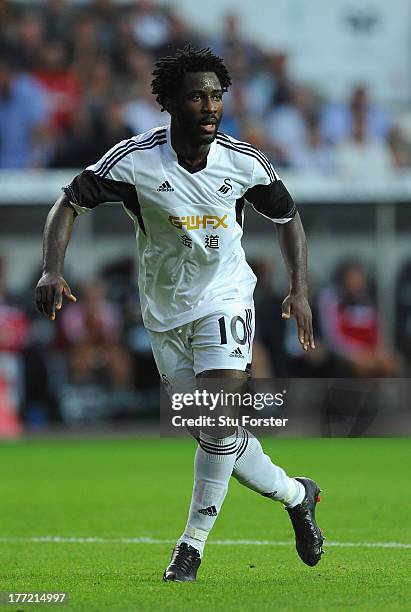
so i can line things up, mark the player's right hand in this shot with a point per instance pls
(49, 294)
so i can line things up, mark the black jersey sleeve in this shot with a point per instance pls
(88, 190)
(111, 179)
(272, 201)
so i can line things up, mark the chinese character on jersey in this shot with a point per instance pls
(186, 241)
(212, 242)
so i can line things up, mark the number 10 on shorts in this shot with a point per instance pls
(240, 328)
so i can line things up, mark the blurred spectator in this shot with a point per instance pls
(270, 328)
(400, 148)
(233, 113)
(338, 118)
(23, 119)
(253, 132)
(84, 45)
(120, 276)
(14, 338)
(113, 128)
(14, 325)
(319, 363)
(101, 85)
(28, 45)
(9, 20)
(232, 45)
(90, 137)
(151, 27)
(287, 123)
(60, 83)
(78, 146)
(403, 312)
(124, 44)
(139, 67)
(91, 332)
(316, 156)
(143, 113)
(361, 155)
(242, 59)
(179, 34)
(105, 13)
(283, 86)
(57, 19)
(351, 325)
(270, 84)
(279, 352)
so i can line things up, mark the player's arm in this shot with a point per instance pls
(294, 249)
(57, 233)
(273, 200)
(110, 180)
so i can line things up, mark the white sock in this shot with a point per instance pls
(256, 471)
(213, 466)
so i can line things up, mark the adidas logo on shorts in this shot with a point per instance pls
(237, 353)
(210, 511)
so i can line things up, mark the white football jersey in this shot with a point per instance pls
(188, 222)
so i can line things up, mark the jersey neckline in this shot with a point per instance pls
(206, 163)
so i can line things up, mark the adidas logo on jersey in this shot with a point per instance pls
(210, 511)
(237, 353)
(165, 187)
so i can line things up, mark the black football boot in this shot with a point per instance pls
(185, 561)
(308, 536)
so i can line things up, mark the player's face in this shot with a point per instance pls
(199, 107)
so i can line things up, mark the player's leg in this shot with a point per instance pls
(213, 467)
(225, 341)
(253, 468)
(173, 356)
(221, 345)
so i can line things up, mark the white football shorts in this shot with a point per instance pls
(219, 341)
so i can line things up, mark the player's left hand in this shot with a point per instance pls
(296, 305)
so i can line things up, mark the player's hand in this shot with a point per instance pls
(49, 294)
(296, 305)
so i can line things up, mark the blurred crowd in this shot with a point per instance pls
(75, 80)
(349, 335)
(95, 361)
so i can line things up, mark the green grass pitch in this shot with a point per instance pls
(131, 488)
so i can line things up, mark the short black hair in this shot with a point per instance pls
(170, 71)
